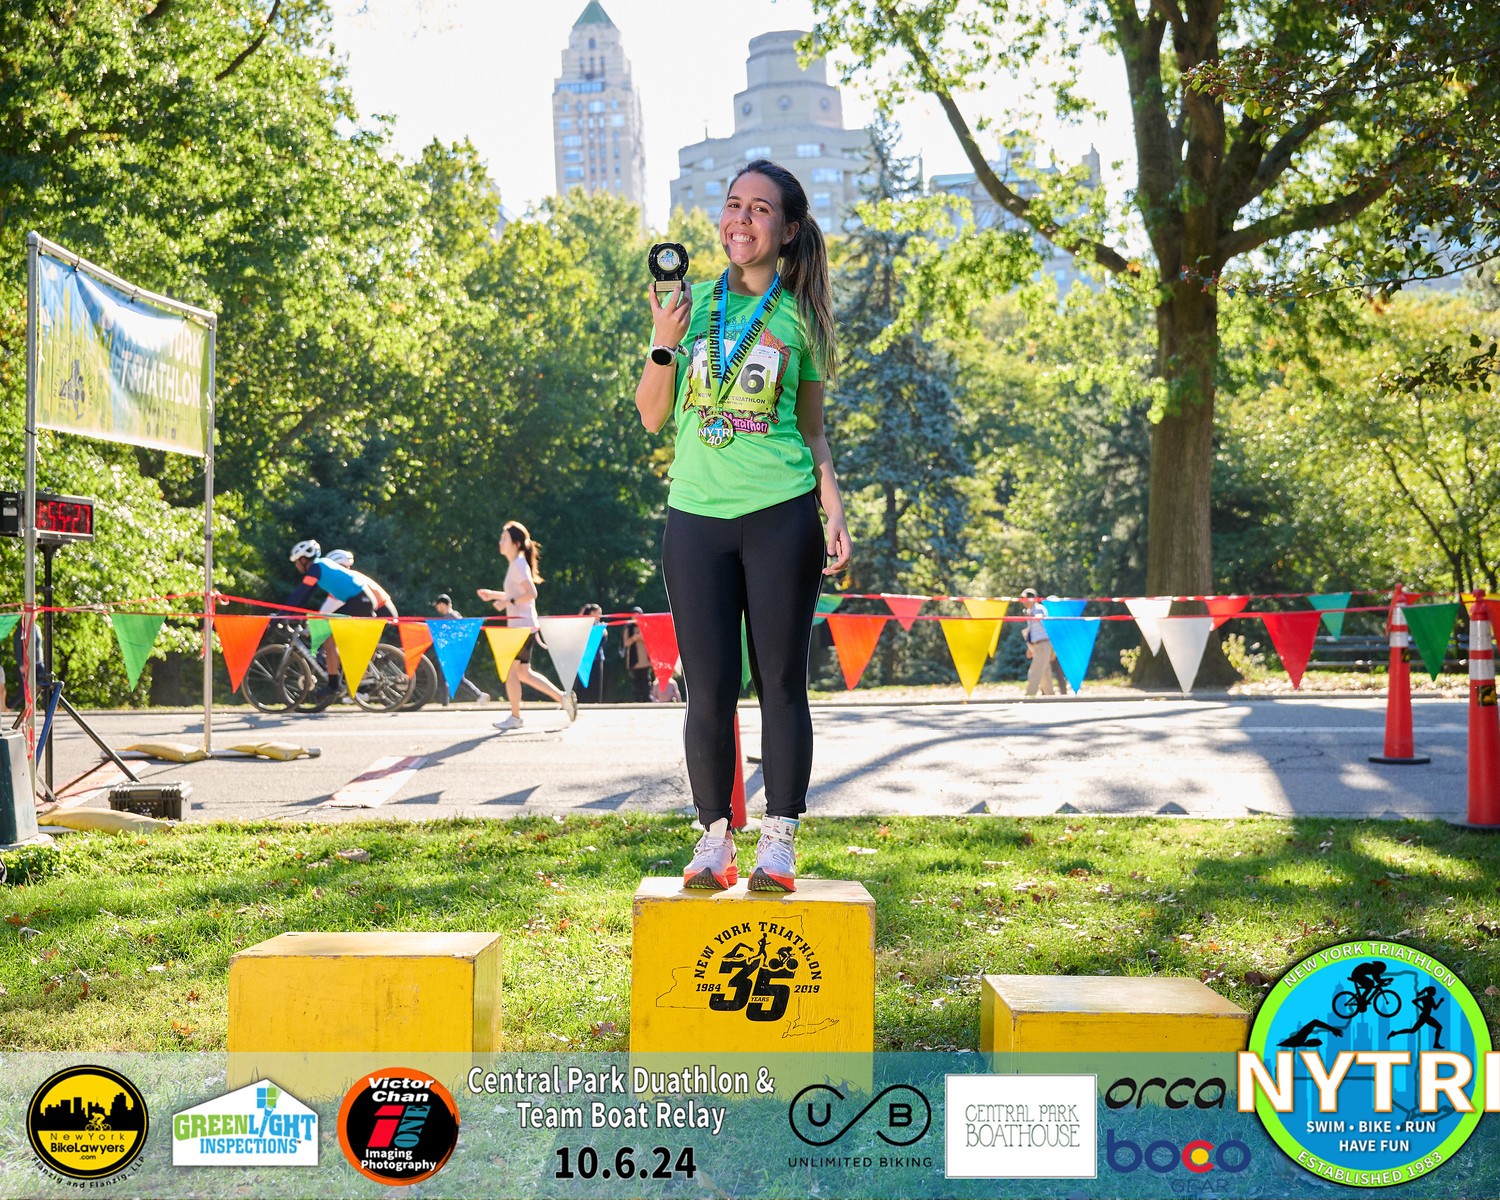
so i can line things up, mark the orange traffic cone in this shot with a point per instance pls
(737, 817)
(1484, 722)
(1398, 740)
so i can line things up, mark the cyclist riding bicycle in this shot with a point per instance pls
(1368, 978)
(319, 574)
(384, 605)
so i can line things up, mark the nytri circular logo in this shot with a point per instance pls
(1367, 1063)
(87, 1122)
(398, 1126)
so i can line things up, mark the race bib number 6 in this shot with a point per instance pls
(757, 387)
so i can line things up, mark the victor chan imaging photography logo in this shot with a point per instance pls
(258, 1125)
(820, 1114)
(87, 1123)
(1022, 1127)
(398, 1126)
(1369, 1063)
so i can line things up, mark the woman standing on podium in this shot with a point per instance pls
(741, 368)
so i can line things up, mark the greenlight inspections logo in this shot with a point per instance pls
(1368, 1064)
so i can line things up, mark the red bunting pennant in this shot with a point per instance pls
(854, 637)
(661, 643)
(1221, 608)
(1292, 634)
(904, 608)
(239, 638)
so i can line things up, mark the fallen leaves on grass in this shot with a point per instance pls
(602, 1028)
(860, 850)
(1257, 979)
(354, 854)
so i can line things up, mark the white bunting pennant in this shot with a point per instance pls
(1147, 611)
(566, 639)
(1185, 639)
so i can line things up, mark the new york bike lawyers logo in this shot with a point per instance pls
(88, 1123)
(398, 1126)
(258, 1125)
(1367, 1064)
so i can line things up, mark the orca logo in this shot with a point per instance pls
(903, 1112)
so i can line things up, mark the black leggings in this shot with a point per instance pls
(768, 568)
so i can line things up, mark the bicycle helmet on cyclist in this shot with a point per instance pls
(342, 558)
(307, 549)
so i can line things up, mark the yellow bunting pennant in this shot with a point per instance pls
(356, 638)
(506, 643)
(979, 608)
(969, 643)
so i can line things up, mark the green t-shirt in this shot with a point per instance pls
(766, 462)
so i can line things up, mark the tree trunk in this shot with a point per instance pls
(1179, 544)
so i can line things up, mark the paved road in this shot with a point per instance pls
(1223, 758)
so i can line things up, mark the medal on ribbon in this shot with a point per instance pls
(715, 429)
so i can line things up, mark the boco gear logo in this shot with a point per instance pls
(398, 1126)
(1369, 1064)
(87, 1123)
(900, 1113)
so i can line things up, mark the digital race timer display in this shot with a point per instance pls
(58, 518)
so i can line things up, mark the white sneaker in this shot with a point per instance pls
(482, 698)
(509, 723)
(713, 866)
(775, 857)
(570, 706)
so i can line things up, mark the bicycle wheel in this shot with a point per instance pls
(385, 686)
(1345, 1004)
(424, 685)
(1387, 1003)
(300, 684)
(262, 684)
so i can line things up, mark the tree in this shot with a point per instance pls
(1298, 133)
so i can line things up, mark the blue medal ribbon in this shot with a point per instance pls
(721, 378)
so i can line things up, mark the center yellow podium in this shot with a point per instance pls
(753, 971)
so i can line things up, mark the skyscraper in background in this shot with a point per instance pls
(596, 113)
(789, 113)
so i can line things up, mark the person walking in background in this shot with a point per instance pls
(443, 610)
(1038, 645)
(517, 599)
(593, 691)
(637, 660)
(743, 539)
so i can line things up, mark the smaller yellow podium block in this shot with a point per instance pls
(1087, 1014)
(742, 971)
(331, 999)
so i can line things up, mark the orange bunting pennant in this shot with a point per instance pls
(415, 638)
(239, 639)
(1221, 608)
(661, 644)
(969, 643)
(1292, 634)
(904, 608)
(854, 637)
(505, 643)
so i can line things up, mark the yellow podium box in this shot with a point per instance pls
(1106, 1014)
(742, 971)
(316, 1006)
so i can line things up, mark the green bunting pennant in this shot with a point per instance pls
(136, 633)
(826, 604)
(745, 677)
(1431, 629)
(1332, 621)
(318, 631)
(8, 621)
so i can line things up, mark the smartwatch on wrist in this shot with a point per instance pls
(663, 355)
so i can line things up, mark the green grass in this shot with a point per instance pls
(133, 934)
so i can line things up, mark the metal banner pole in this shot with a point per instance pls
(208, 549)
(28, 501)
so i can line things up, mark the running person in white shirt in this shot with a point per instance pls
(518, 601)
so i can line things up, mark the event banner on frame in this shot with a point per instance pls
(116, 367)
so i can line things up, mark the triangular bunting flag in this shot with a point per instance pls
(1184, 640)
(414, 642)
(1073, 643)
(1148, 611)
(317, 632)
(903, 607)
(969, 643)
(1057, 606)
(356, 638)
(453, 641)
(590, 654)
(239, 638)
(505, 643)
(1292, 634)
(136, 633)
(826, 604)
(854, 638)
(8, 621)
(1431, 629)
(981, 608)
(1337, 602)
(1221, 608)
(565, 639)
(746, 678)
(661, 644)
